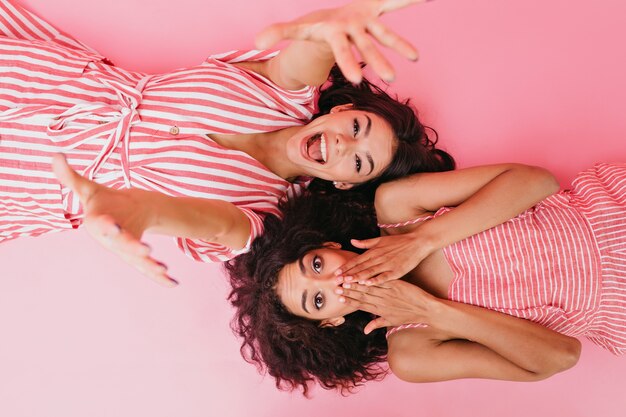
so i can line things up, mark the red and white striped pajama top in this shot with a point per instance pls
(129, 129)
(561, 264)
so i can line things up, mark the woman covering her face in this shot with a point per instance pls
(230, 137)
(483, 296)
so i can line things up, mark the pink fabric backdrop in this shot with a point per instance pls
(535, 81)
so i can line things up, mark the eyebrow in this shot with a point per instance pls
(304, 294)
(367, 154)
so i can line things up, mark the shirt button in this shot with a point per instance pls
(174, 130)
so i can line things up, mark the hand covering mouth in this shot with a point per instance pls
(316, 148)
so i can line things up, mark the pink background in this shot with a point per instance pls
(535, 81)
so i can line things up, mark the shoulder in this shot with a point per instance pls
(408, 351)
(391, 202)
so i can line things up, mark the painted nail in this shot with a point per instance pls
(346, 285)
(342, 299)
(338, 290)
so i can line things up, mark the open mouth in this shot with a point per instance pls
(316, 148)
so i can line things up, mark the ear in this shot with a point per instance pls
(342, 185)
(341, 107)
(334, 322)
(332, 245)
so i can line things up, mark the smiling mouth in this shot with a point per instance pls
(316, 148)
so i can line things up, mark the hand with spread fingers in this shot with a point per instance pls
(387, 258)
(116, 219)
(395, 302)
(353, 25)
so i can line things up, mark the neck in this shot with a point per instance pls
(270, 149)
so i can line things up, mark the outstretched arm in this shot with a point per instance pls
(118, 218)
(324, 37)
(484, 197)
(460, 340)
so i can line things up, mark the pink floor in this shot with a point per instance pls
(534, 81)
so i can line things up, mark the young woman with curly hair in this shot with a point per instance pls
(222, 142)
(556, 270)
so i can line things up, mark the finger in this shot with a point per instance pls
(359, 304)
(70, 178)
(391, 40)
(371, 55)
(155, 270)
(391, 5)
(357, 265)
(277, 32)
(382, 278)
(104, 229)
(344, 56)
(273, 34)
(377, 323)
(368, 273)
(365, 243)
(360, 293)
(130, 249)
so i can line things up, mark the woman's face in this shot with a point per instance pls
(307, 286)
(346, 146)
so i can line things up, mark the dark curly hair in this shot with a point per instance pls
(414, 150)
(294, 350)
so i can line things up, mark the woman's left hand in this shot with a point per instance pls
(387, 258)
(355, 24)
(396, 303)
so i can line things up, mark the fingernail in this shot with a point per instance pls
(338, 272)
(338, 290)
(342, 300)
(338, 280)
(362, 282)
(348, 278)
(346, 285)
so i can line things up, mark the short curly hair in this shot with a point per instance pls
(297, 351)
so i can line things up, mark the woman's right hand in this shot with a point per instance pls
(387, 258)
(353, 25)
(395, 302)
(116, 219)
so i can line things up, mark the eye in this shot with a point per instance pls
(356, 128)
(357, 163)
(316, 264)
(318, 301)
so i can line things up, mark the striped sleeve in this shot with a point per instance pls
(18, 23)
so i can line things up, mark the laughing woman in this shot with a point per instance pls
(229, 138)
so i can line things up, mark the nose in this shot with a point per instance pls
(342, 143)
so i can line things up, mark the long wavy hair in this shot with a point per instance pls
(297, 351)
(415, 149)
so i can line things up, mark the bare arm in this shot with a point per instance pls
(118, 218)
(461, 340)
(324, 37)
(484, 197)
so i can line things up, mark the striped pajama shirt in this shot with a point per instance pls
(129, 129)
(561, 264)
